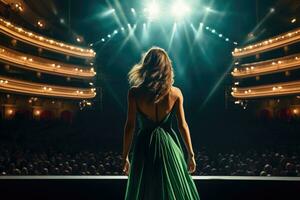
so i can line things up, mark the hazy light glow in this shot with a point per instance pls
(152, 10)
(208, 9)
(180, 9)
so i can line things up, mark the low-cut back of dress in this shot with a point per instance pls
(158, 168)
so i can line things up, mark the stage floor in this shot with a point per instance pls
(113, 187)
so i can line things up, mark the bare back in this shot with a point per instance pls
(163, 108)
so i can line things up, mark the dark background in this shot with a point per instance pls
(202, 66)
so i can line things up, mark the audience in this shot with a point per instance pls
(17, 160)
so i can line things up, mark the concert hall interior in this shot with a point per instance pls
(64, 85)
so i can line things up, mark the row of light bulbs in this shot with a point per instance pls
(25, 33)
(50, 89)
(122, 29)
(3, 81)
(248, 91)
(54, 65)
(266, 43)
(287, 60)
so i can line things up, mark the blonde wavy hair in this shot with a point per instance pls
(154, 73)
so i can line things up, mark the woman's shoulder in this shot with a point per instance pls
(133, 91)
(176, 92)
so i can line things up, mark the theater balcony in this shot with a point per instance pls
(278, 89)
(43, 65)
(268, 44)
(267, 67)
(29, 88)
(37, 40)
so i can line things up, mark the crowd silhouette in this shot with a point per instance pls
(17, 160)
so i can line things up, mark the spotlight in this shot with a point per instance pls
(62, 20)
(109, 36)
(235, 43)
(293, 20)
(227, 39)
(220, 35)
(208, 9)
(152, 10)
(272, 10)
(115, 31)
(132, 10)
(207, 28)
(78, 39)
(213, 31)
(122, 28)
(180, 9)
(41, 24)
(103, 40)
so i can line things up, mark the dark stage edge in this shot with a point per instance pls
(113, 187)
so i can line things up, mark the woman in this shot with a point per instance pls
(157, 169)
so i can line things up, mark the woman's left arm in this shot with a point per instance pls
(128, 129)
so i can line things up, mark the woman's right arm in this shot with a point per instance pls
(182, 124)
(184, 130)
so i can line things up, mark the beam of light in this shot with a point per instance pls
(145, 33)
(188, 39)
(172, 36)
(108, 13)
(129, 36)
(198, 32)
(122, 19)
(215, 87)
(194, 29)
(152, 10)
(208, 9)
(133, 11)
(258, 26)
(180, 10)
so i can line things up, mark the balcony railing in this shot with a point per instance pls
(25, 61)
(44, 42)
(24, 87)
(269, 44)
(267, 67)
(278, 89)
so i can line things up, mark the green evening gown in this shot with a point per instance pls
(158, 168)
